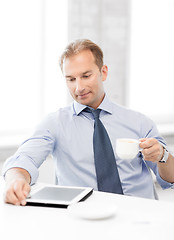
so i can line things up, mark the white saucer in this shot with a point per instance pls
(93, 211)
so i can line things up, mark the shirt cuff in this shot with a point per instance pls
(22, 162)
(164, 184)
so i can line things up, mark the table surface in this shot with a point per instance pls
(135, 218)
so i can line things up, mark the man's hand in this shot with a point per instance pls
(17, 186)
(152, 150)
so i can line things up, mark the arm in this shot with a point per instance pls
(21, 169)
(166, 170)
(17, 186)
(153, 151)
(34, 151)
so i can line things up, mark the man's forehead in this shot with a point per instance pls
(80, 63)
(85, 54)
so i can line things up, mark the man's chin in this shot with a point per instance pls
(83, 102)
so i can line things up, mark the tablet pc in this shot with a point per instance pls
(58, 196)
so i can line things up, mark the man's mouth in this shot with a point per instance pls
(84, 95)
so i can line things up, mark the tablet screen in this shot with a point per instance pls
(58, 195)
(61, 194)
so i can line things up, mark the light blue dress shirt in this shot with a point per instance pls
(68, 135)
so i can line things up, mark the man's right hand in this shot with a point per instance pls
(17, 186)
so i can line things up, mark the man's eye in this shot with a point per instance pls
(70, 79)
(86, 76)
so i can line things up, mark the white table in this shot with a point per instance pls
(136, 218)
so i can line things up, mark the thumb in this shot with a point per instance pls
(26, 189)
(142, 139)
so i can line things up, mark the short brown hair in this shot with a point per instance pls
(80, 45)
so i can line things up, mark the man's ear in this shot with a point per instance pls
(104, 72)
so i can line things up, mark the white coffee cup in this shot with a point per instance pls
(127, 148)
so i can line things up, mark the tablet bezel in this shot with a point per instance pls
(84, 194)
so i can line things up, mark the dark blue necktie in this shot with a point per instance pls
(108, 179)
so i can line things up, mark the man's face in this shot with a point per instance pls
(84, 80)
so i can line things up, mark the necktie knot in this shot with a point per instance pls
(96, 113)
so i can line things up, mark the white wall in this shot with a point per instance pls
(105, 22)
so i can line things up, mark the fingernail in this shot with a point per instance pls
(23, 202)
(17, 204)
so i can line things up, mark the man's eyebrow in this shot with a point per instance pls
(87, 72)
(69, 76)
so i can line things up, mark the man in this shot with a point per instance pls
(68, 136)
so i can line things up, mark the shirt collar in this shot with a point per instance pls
(105, 106)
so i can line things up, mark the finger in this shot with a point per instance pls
(149, 142)
(150, 158)
(148, 151)
(142, 139)
(153, 154)
(10, 197)
(26, 190)
(143, 143)
(18, 191)
(21, 194)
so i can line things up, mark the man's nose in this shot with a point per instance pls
(79, 86)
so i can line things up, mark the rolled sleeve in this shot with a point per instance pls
(164, 184)
(22, 162)
(35, 150)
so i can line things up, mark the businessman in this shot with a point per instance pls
(72, 133)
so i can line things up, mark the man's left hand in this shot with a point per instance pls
(152, 150)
